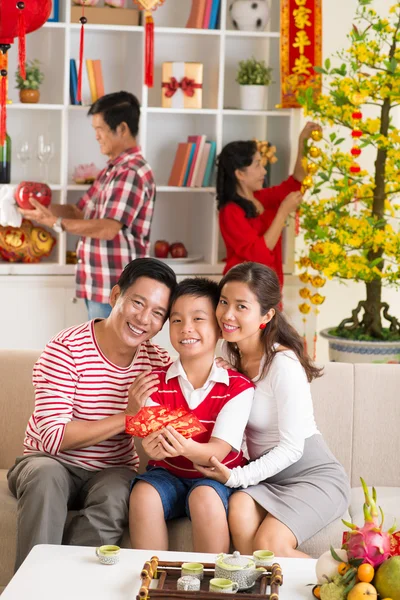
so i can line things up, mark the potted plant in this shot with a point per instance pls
(253, 77)
(350, 226)
(29, 87)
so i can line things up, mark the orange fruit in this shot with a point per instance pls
(366, 572)
(317, 591)
(343, 568)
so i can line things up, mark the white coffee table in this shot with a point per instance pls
(74, 573)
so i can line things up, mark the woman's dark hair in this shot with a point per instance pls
(151, 268)
(264, 284)
(198, 287)
(236, 155)
(117, 108)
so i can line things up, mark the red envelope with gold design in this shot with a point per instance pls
(153, 418)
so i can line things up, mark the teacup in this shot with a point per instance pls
(108, 555)
(194, 569)
(263, 558)
(188, 583)
(224, 586)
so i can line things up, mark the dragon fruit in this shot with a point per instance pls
(369, 542)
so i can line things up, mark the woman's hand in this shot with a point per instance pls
(140, 390)
(308, 128)
(292, 202)
(221, 362)
(218, 471)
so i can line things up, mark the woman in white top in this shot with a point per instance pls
(293, 486)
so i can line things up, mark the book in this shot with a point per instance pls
(214, 14)
(207, 14)
(203, 164)
(92, 81)
(210, 164)
(86, 96)
(179, 167)
(73, 82)
(196, 16)
(199, 141)
(98, 77)
(191, 156)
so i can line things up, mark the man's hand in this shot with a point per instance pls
(40, 214)
(218, 471)
(141, 389)
(305, 134)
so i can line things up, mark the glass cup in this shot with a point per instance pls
(24, 154)
(45, 153)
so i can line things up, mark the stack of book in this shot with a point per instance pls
(92, 82)
(204, 14)
(194, 163)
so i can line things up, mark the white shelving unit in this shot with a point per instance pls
(185, 214)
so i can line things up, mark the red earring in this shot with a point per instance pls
(263, 325)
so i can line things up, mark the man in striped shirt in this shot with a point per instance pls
(113, 218)
(76, 453)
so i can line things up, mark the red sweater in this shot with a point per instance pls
(243, 237)
(170, 394)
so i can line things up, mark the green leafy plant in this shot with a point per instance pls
(253, 72)
(34, 76)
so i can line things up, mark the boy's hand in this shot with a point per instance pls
(141, 389)
(151, 445)
(218, 471)
(173, 443)
(221, 362)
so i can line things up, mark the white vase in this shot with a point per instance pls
(252, 97)
(353, 351)
(249, 15)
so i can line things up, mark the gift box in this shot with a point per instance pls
(106, 15)
(182, 84)
(153, 418)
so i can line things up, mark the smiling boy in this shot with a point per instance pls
(221, 399)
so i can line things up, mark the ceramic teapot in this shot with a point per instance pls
(240, 569)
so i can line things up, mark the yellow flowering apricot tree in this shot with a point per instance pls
(350, 222)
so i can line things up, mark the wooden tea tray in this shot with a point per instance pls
(167, 573)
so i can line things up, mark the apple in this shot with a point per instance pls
(178, 250)
(39, 191)
(161, 248)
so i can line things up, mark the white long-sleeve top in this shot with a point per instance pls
(281, 418)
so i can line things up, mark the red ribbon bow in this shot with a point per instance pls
(188, 86)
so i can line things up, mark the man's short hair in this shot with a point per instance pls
(117, 108)
(198, 287)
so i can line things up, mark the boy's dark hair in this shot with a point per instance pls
(198, 287)
(117, 108)
(147, 267)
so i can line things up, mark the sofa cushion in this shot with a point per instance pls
(8, 530)
(333, 407)
(17, 400)
(388, 499)
(376, 436)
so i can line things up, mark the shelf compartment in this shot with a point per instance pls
(233, 33)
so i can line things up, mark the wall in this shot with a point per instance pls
(342, 298)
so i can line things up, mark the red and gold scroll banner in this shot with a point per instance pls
(301, 41)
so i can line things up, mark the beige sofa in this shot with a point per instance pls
(357, 409)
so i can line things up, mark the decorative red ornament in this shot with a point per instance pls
(16, 20)
(355, 151)
(148, 6)
(83, 21)
(356, 133)
(355, 168)
(188, 86)
(263, 325)
(357, 116)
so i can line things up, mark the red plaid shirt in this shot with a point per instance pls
(123, 191)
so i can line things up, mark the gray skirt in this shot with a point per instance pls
(309, 494)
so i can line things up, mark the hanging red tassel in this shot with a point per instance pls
(21, 39)
(3, 101)
(83, 21)
(297, 223)
(149, 51)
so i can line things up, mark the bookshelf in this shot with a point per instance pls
(185, 214)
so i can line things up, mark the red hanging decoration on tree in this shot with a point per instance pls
(356, 133)
(17, 19)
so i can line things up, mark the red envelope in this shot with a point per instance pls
(153, 418)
